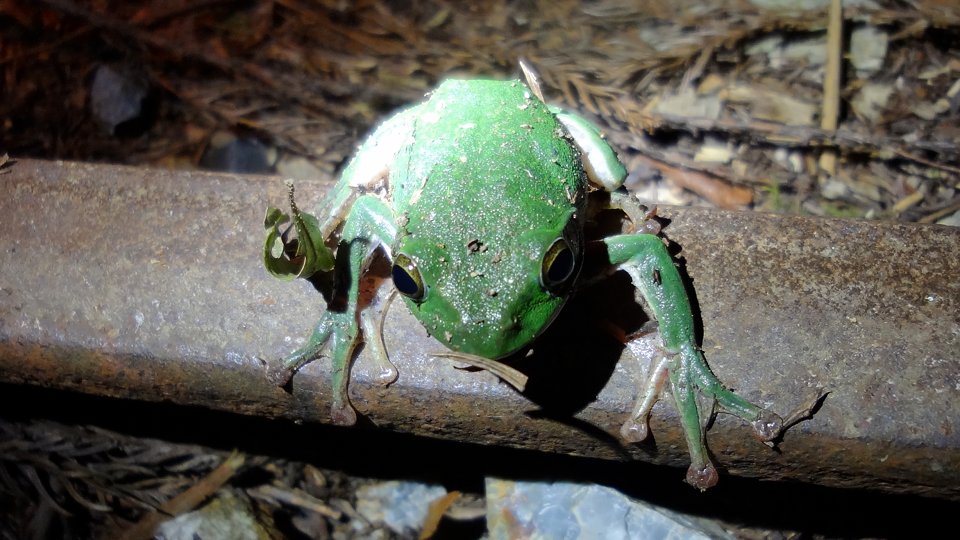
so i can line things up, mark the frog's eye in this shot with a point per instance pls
(407, 279)
(558, 265)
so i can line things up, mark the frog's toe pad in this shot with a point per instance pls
(702, 478)
(768, 426)
(388, 375)
(635, 431)
(343, 415)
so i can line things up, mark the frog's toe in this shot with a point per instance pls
(703, 477)
(635, 431)
(637, 427)
(388, 374)
(768, 425)
(343, 415)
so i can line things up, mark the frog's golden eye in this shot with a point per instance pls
(407, 279)
(558, 266)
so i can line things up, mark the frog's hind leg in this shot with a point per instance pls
(599, 160)
(366, 228)
(651, 268)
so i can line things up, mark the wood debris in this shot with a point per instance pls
(313, 78)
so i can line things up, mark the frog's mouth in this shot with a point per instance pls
(491, 363)
(493, 336)
(529, 330)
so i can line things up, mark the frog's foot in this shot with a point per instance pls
(767, 424)
(683, 374)
(696, 390)
(342, 331)
(691, 379)
(697, 394)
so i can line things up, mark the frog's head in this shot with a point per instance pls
(494, 294)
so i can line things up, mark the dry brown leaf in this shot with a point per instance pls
(435, 513)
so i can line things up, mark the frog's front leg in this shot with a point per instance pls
(653, 272)
(368, 225)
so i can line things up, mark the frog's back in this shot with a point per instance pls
(487, 182)
(485, 153)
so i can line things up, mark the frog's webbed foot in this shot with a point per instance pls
(698, 381)
(342, 331)
(695, 405)
(766, 424)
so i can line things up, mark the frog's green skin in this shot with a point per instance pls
(483, 189)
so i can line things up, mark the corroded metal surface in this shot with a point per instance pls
(147, 284)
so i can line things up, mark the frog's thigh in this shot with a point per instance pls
(600, 162)
(371, 222)
(652, 271)
(369, 225)
(376, 156)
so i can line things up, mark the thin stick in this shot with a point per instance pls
(831, 84)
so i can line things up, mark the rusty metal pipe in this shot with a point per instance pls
(147, 284)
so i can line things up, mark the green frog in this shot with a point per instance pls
(479, 196)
